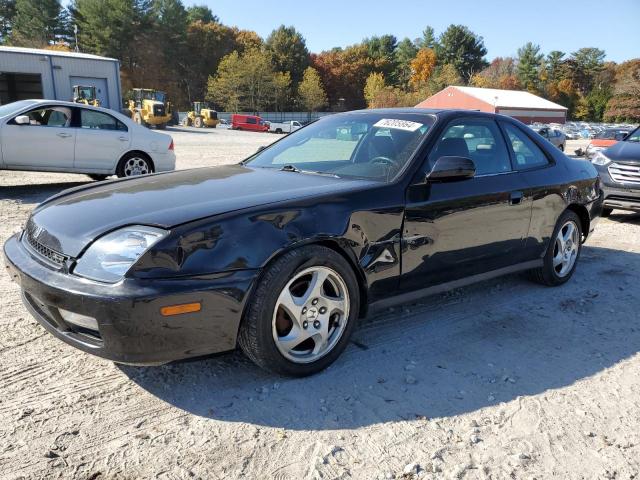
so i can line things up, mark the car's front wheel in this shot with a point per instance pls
(563, 252)
(302, 312)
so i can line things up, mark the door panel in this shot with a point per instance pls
(101, 141)
(457, 229)
(464, 227)
(47, 143)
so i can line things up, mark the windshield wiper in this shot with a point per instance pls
(293, 168)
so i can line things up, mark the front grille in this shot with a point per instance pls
(622, 173)
(45, 252)
(158, 110)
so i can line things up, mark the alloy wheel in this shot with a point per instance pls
(310, 314)
(566, 248)
(135, 166)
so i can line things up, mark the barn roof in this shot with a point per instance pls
(510, 98)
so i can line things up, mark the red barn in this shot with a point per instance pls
(524, 106)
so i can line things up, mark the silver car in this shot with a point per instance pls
(555, 136)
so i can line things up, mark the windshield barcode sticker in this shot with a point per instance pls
(398, 124)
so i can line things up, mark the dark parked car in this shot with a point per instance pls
(283, 253)
(619, 169)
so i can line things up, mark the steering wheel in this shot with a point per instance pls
(384, 161)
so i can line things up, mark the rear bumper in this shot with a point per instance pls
(164, 162)
(130, 326)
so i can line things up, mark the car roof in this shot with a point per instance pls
(442, 112)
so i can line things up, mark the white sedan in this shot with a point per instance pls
(54, 136)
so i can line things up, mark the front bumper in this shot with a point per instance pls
(130, 326)
(622, 196)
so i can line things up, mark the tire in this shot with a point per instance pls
(606, 212)
(561, 147)
(549, 274)
(134, 164)
(97, 178)
(278, 130)
(267, 324)
(185, 121)
(161, 126)
(198, 122)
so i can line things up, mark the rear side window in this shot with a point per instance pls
(525, 152)
(100, 121)
(477, 139)
(251, 120)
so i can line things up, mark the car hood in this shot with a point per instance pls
(628, 152)
(69, 221)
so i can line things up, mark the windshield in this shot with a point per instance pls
(634, 136)
(9, 108)
(360, 145)
(153, 95)
(608, 134)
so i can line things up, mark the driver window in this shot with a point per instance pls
(50, 117)
(476, 139)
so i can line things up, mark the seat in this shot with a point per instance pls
(382, 146)
(452, 147)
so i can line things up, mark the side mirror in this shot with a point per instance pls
(22, 120)
(451, 168)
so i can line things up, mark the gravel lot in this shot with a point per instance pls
(505, 379)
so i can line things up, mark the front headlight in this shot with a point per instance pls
(600, 159)
(110, 257)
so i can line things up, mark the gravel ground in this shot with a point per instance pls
(505, 379)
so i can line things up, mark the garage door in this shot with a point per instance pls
(101, 88)
(19, 86)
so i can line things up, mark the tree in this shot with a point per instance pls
(344, 73)
(36, 22)
(422, 66)
(584, 65)
(288, 52)
(501, 73)
(625, 103)
(428, 39)
(311, 91)
(226, 87)
(554, 65)
(201, 13)
(529, 64)
(207, 44)
(382, 52)
(243, 81)
(7, 15)
(248, 40)
(460, 47)
(405, 53)
(375, 84)
(281, 91)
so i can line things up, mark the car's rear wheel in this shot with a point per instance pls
(133, 165)
(562, 147)
(606, 212)
(302, 312)
(563, 252)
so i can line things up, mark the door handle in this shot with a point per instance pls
(516, 198)
(64, 135)
(123, 139)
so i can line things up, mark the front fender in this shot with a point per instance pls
(251, 238)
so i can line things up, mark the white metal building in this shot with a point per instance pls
(31, 73)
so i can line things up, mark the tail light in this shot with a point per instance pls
(171, 145)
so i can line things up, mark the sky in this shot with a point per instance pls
(565, 25)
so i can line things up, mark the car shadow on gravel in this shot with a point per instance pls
(449, 355)
(625, 217)
(36, 193)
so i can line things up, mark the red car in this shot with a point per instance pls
(249, 122)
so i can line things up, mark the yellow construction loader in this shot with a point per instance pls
(85, 94)
(150, 107)
(200, 116)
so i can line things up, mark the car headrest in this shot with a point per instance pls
(452, 147)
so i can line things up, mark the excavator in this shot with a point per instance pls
(200, 116)
(150, 107)
(85, 94)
